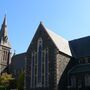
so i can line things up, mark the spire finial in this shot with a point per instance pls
(41, 22)
(4, 29)
(5, 21)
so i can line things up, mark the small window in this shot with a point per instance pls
(86, 60)
(81, 61)
(79, 82)
(87, 80)
(73, 81)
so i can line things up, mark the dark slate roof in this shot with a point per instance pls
(80, 47)
(80, 68)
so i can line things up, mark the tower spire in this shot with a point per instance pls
(3, 33)
(5, 21)
(4, 27)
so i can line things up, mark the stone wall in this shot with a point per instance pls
(62, 62)
(47, 43)
(59, 63)
(17, 64)
(4, 58)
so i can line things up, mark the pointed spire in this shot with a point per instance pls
(4, 27)
(4, 21)
(3, 34)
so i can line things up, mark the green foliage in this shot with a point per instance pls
(20, 81)
(3, 88)
(5, 78)
(7, 82)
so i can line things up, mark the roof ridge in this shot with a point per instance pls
(79, 38)
(61, 43)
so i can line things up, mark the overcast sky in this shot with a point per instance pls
(68, 18)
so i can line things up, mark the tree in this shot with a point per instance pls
(5, 79)
(20, 81)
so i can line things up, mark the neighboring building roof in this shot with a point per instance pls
(18, 61)
(80, 68)
(61, 43)
(80, 47)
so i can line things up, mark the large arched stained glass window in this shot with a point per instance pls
(40, 66)
(39, 51)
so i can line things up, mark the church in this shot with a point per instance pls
(50, 63)
(54, 63)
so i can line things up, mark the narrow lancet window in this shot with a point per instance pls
(39, 50)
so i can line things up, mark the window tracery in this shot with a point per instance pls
(40, 66)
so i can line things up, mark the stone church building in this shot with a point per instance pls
(53, 63)
(50, 62)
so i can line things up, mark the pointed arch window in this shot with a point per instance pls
(39, 52)
(40, 66)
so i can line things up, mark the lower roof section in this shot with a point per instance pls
(80, 69)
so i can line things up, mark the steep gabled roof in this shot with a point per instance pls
(61, 43)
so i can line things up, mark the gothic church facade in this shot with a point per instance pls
(47, 58)
(53, 63)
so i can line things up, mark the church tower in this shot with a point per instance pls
(4, 47)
